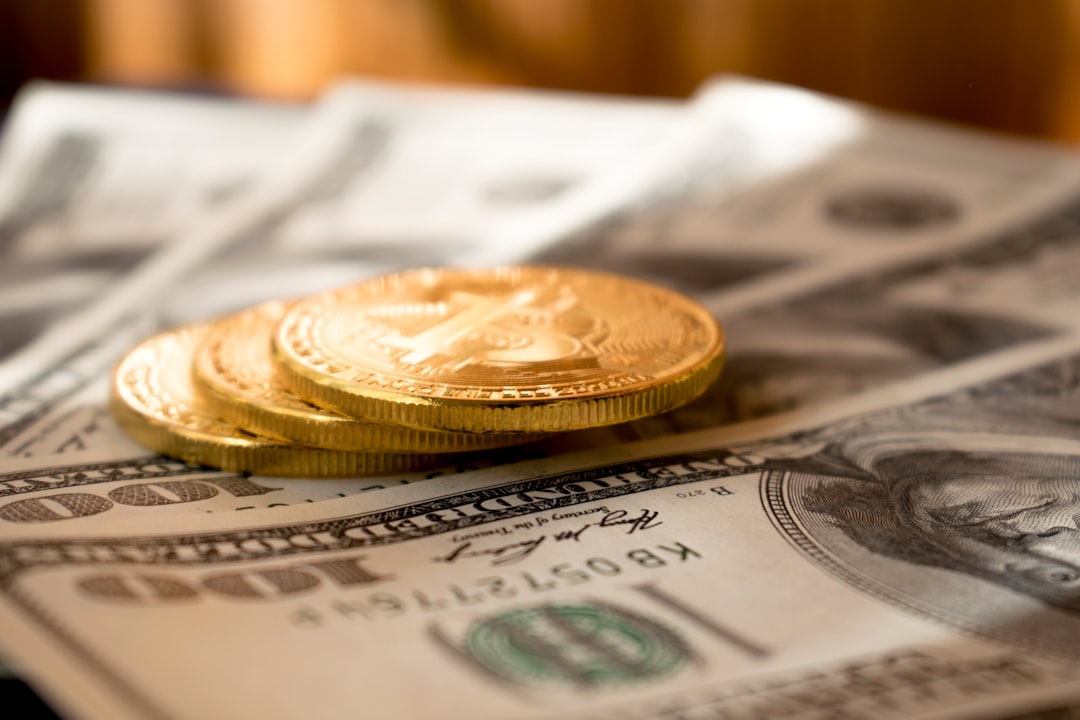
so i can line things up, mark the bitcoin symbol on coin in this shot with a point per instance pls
(514, 330)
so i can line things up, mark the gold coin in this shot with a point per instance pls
(235, 377)
(152, 399)
(519, 349)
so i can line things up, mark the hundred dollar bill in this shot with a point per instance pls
(94, 180)
(444, 176)
(788, 185)
(906, 248)
(903, 553)
(63, 409)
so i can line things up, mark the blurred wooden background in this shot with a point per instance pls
(1006, 64)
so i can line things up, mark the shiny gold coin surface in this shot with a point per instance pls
(152, 399)
(235, 377)
(518, 349)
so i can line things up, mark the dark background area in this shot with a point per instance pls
(1005, 64)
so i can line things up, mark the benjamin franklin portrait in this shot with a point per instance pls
(967, 510)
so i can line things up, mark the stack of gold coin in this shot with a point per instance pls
(404, 371)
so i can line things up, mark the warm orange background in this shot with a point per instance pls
(1007, 64)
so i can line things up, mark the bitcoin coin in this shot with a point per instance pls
(235, 377)
(153, 401)
(518, 349)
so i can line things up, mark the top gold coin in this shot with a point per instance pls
(517, 349)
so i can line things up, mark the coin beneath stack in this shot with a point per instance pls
(235, 377)
(152, 399)
(519, 349)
